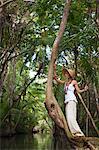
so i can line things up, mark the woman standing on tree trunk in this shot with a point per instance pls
(70, 99)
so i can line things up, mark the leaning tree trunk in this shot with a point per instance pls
(51, 104)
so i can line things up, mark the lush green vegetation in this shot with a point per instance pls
(28, 29)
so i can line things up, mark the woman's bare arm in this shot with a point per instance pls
(78, 89)
(55, 76)
(58, 80)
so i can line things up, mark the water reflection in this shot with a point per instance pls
(27, 142)
(39, 142)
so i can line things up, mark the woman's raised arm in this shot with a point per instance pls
(78, 89)
(56, 77)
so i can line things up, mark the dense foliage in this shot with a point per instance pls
(28, 29)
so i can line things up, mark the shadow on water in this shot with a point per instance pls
(29, 142)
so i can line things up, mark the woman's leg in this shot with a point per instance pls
(71, 118)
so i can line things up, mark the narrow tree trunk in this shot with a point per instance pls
(87, 118)
(96, 97)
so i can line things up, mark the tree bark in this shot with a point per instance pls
(51, 103)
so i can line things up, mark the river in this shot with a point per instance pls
(36, 142)
(27, 142)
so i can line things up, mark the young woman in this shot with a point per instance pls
(70, 85)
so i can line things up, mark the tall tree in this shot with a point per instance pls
(51, 103)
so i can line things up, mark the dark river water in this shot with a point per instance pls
(36, 142)
(27, 142)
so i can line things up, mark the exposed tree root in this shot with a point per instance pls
(82, 142)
